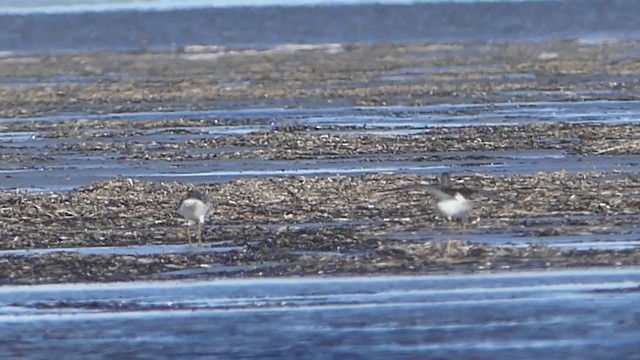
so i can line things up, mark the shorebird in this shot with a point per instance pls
(194, 207)
(453, 202)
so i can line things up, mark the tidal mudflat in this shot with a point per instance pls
(298, 161)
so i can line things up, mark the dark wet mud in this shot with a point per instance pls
(316, 225)
(297, 147)
(313, 76)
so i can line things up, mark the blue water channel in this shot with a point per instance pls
(578, 314)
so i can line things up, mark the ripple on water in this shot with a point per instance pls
(140, 250)
(533, 314)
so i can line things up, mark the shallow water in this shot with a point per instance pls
(526, 315)
(250, 27)
(67, 170)
(508, 113)
(614, 238)
(138, 250)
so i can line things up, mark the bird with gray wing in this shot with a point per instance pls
(194, 207)
(454, 202)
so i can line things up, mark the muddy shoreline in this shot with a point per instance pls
(308, 226)
(311, 225)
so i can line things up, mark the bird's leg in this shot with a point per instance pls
(188, 234)
(200, 233)
(451, 229)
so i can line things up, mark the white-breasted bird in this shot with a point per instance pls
(454, 202)
(194, 207)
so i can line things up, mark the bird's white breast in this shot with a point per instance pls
(457, 207)
(193, 210)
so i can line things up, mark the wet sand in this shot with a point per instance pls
(317, 222)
